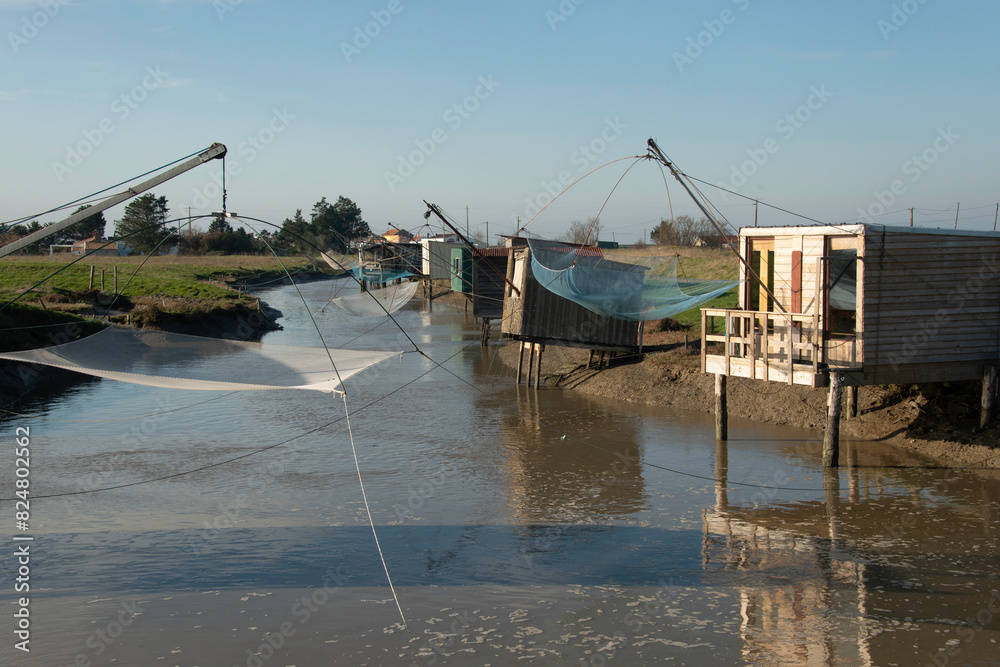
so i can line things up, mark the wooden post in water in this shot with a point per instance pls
(538, 366)
(852, 401)
(721, 409)
(520, 362)
(531, 362)
(989, 395)
(831, 440)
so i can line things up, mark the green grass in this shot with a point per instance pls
(184, 277)
(693, 317)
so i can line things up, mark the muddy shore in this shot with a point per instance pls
(939, 421)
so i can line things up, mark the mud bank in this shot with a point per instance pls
(938, 421)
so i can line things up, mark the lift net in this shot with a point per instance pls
(378, 302)
(631, 288)
(177, 361)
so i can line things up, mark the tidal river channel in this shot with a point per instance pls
(509, 539)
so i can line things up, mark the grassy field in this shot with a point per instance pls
(184, 277)
(703, 263)
(698, 263)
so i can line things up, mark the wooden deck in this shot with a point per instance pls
(774, 347)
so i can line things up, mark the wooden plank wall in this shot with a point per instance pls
(931, 304)
(541, 315)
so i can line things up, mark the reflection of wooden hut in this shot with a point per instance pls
(481, 274)
(881, 305)
(536, 315)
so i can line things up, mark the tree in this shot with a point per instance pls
(143, 223)
(682, 230)
(84, 229)
(293, 230)
(330, 226)
(583, 233)
(15, 232)
(220, 225)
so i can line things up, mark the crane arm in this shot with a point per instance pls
(215, 151)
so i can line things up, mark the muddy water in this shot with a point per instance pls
(508, 537)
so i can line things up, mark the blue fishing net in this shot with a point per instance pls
(628, 288)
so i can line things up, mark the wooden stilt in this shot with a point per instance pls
(538, 366)
(91, 276)
(485, 340)
(590, 360)
(102, 280)
(520, 362)
(831, 440)
(989, 395)
(116, 279)
(852, 402)
(721, 409)
(531, 363)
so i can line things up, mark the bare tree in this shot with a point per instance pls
(682, 230)
(583, 233)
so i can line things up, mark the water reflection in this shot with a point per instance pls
(899, 569)
(549, 476)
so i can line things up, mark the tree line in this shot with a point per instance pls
(146, 227)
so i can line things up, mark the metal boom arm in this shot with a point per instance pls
(215, 151)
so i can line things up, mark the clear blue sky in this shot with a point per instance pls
(887, 81)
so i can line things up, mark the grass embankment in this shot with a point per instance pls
(692, 263)
(160, 292)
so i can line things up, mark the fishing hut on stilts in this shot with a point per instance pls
(845, 306)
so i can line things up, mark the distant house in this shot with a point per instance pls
(716, 241)
(96, 246)
(398, 236)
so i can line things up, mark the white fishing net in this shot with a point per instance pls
(177, 361)
(378, 302)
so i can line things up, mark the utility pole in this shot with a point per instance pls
(956, 214)
(995, 216)
(466, 220)
(755, 202)
(487, 233)
(911, 217)
(189, 220)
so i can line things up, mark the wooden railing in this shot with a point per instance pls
(773, 340)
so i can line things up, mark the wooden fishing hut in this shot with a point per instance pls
(480, 275)
(860, 304)
(538, 317)
(390, 258)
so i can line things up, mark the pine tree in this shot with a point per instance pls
(142, 226)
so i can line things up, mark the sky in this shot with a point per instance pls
(846, 111)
